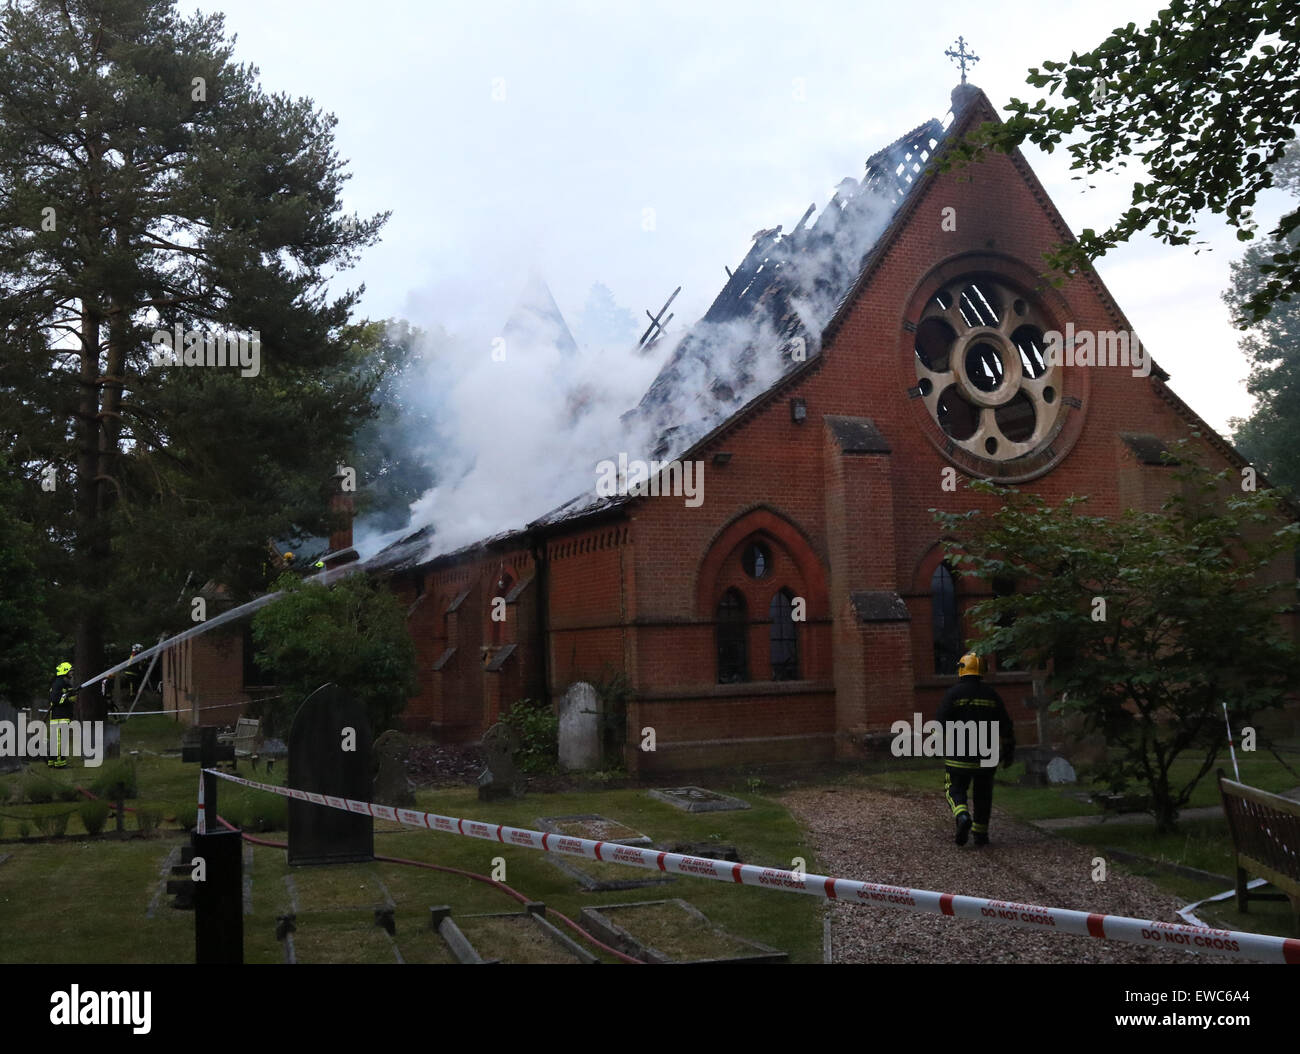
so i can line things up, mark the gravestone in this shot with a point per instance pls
(392, 785)
(593, 826)
(1060, 771)
(697, 799)
(579, 728)
(1035, 760)
(112, 740)
(10, 762)
(500, 779)
(329, 754)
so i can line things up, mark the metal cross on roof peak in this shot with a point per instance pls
(962, 56)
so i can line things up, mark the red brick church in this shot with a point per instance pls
(930, 357)
(849, 373)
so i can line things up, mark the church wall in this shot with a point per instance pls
(590, 602)
(866, 370)
(849, 528)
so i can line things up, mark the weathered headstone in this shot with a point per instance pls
(579, 728)
(329, 754)
(697, 799)
(593, 826)
(1060, 771)
(500, 779)
(1035, 761)
(10, 762)
(392, 785)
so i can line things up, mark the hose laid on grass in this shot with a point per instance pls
(501, 886)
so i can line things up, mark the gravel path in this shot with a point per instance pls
(906, 840)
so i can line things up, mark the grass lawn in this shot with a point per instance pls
(1202, 844)
(77, 899)
(1199, 843)
(1258, 769)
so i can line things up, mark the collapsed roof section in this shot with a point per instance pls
(766, 321)
(770, 314)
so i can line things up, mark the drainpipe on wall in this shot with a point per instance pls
(543, 614)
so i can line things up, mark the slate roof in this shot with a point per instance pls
(879, 605)
(857, 435)
(1149, 449)
(784, 292)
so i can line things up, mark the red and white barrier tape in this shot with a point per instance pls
(201, 824)
(1233, 944)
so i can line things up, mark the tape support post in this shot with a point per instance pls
(1233, 944)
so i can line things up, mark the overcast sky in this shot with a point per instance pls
(510, 136)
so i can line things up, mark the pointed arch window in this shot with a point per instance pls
(733, 661)
(784, 642)
(944, 624)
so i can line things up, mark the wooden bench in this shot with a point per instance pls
(1265, 831)
(247, 737)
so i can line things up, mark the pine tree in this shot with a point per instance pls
(1270, 436)
(148, 185)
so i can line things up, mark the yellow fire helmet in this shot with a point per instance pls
(288, 556)
(970, 665)
(63, 669)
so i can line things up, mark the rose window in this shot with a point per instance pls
(982, 370)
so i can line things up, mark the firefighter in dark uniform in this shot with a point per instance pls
(970, 699)
(63, 694)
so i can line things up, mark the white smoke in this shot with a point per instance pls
(529, 414)
(526, 413)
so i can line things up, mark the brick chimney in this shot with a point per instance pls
(341, 510)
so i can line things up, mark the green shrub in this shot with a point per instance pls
(539, 736)
(39, 789)
(267, 813)
(94, 814)
(24, 829)
(187, 815)
(147, 820)
(59, 822)
(66, 792)
(614, 691)
(44, 823)
(117, 782)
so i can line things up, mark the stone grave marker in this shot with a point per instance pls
(11, 762)
(697, 799)
(392, 785)
(1035, 760)
(112, 740)
(1060, 771)
(329, 754)
(500, 779)
(594, 827)
(580, 728)
(681, 934)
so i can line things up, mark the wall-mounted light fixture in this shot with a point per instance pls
(798, 411)
(722, 457)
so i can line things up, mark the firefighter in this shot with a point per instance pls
(63, 693)
(115, 688)
(970, 699)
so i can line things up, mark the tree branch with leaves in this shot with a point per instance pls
(1148, 622)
